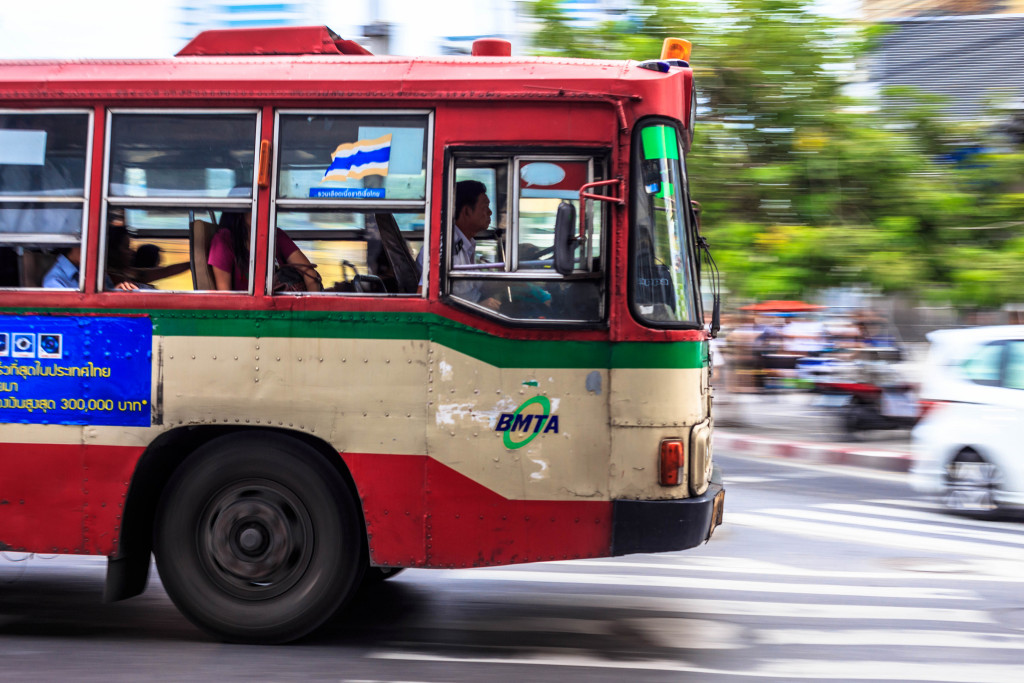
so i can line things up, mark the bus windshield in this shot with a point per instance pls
(664, 285)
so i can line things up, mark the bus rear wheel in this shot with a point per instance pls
(258, 539)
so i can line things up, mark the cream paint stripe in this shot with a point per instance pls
(784, 669)
(897, 525)
(873, 537)
(643, 397)
(892, 637)
(1005, 572)
(468, 399)
(703, 584)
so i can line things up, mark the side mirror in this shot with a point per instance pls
(565, 238)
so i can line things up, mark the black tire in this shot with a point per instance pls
(855, 419)
(378, 574)
(971, 485)
(258, 539)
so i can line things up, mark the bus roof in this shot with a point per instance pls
(335, 75)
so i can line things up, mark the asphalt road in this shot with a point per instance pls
(822, 574)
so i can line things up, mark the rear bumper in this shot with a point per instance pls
(657, 526)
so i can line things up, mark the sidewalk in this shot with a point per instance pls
(796, 427)
(860, 455)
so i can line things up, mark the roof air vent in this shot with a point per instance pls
(290, 40)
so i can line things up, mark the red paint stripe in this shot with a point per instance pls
(421, 513)
(64, 498)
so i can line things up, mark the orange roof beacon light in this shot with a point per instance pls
(676, 48)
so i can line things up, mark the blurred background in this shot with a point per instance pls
(858, 154)
(863, 157)
(860, 170)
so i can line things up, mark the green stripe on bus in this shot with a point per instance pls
(487, 348)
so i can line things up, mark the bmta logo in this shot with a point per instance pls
(531, 424)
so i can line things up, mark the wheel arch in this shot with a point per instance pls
(128, 570)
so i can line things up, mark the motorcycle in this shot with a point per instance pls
(870, 394)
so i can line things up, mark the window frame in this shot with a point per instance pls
(693, 260)
(599, 164)
(358, 205)
(205, 203)
(52, 239)
(1000, 364)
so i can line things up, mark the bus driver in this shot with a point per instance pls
(472, 216)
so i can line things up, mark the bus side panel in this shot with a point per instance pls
(392, 491)
(41, 497)
(106, 477)
(429, 515)
(63, 498)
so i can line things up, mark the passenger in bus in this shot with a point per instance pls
(472, 216)
(121, 259)
(229, 254)
(64, 272)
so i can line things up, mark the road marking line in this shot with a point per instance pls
(859, 669)
(698, 584)
(702, 607)
(1008, 572)
(896, 524)
(786, 669)
(575, 660)
(892, 637)
(945, 519)
(873, 537)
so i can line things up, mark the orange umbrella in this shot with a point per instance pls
(781, 307)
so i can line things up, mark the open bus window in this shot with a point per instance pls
(354, 252)
(181, 185)
(42, 197)
(169, 249)
(508, 268)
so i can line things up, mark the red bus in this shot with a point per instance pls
(291, 317)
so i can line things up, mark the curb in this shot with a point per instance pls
(816, 453)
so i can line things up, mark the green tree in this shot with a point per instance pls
(801, 189)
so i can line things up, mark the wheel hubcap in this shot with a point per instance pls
(256, 538)
(972, 486)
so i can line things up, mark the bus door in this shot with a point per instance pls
(522, 412)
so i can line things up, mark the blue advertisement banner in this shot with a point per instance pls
(82, 370)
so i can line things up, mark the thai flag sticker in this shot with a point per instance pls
(359, 159)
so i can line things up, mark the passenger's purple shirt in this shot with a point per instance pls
(222, 255)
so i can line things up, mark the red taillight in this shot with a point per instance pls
(673, 462)
(925, 407)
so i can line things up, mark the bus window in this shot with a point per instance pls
(510, 272)
(351, 191)
(43, 174)
(663, 284)
(355, 252)
(176, 180)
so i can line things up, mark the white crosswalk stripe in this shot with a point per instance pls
(785, 621)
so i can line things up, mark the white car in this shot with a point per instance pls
(969, 442)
